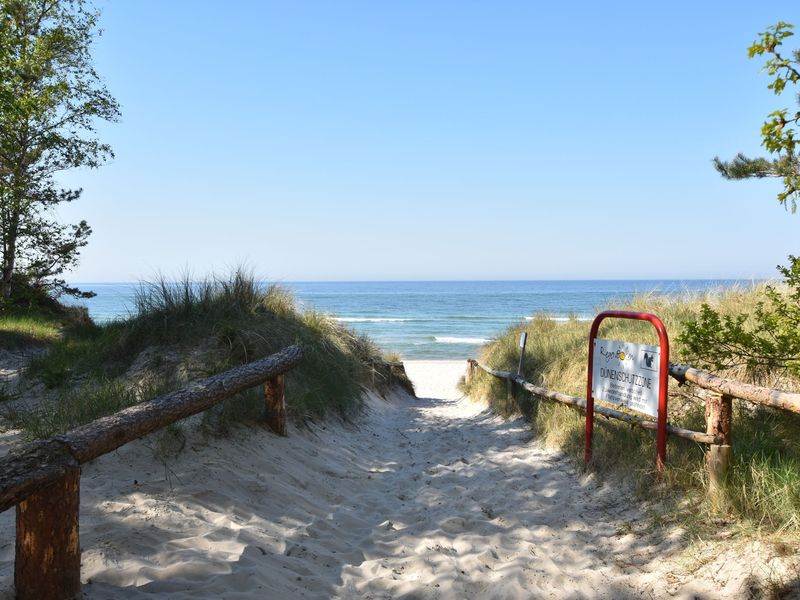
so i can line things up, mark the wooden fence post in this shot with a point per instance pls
(470, 372)
(275, 397)
(510, 389)
(719, 422)
(48, 552)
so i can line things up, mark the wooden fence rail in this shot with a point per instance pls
(605, 411)
(42, 479)
(719, 411)
(736, 389)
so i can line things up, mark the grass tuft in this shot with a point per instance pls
(80, 405)
(21, 330)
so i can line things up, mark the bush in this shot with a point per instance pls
(762, 340)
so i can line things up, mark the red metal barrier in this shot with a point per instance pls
(661, 435)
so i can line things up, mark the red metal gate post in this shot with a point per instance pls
(663, 339)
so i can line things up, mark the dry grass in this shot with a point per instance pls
(764, 484)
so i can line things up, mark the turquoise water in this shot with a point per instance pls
(436, 319)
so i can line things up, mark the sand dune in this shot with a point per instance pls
(422, 498)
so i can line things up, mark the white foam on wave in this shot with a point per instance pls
(562, 319)
(460, 340)
(370, 320)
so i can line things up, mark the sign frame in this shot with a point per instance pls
(663, 376)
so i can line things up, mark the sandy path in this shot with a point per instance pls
(426, 498)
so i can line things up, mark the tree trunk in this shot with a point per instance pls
(48, 551)
(9, 254)
(5, 282)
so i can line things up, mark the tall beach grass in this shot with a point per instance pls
(187, 329)
(764, 482)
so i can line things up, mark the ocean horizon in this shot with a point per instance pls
(437, 319)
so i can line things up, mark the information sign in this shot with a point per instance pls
(626, 374)
(633, 375)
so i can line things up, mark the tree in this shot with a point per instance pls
(764, 341)
(778, 132)
(50, 100)
(770, 337)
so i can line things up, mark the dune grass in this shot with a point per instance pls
(31, 318)
(19, 330)
(180, 331)
(764, 482)
(80, 405)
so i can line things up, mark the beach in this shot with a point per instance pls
(344, 315)
(433, 497)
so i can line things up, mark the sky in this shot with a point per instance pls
(417, 140)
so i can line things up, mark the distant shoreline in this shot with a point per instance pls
(379, 281)
(440, 320)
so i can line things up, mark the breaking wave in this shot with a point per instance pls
(460, 340)
(370, 320)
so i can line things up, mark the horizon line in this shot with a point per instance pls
(577, 279)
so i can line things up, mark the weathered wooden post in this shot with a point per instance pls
(470, 371)
(719, 421)
(275, 397)
(510, 388)
(48, 552)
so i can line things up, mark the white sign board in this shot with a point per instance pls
(627, 374)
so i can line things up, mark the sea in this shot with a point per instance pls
(438, 319)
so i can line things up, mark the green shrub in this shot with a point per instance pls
(763, 340)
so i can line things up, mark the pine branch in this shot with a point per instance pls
(743, 167)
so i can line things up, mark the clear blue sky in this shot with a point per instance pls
(433, 140)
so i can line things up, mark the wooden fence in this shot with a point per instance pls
(42, 479)
(719, 410)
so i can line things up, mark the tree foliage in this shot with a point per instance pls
(763, 341)
(779, 131)
(769, 338)
(50, 100)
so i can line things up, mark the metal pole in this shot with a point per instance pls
(523, 339)
(589, 427)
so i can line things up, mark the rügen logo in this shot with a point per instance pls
(615, 355)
